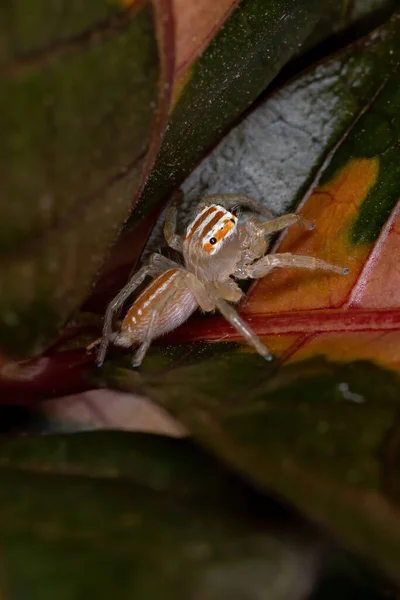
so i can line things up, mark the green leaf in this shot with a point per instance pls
(78, 101)
(141, 517)
(276, 153)
(297, 434)
(246, 54)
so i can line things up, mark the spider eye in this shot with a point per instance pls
(213, 241)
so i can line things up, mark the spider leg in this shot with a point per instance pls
(262, 266)
(200, 292)
(231, 200)
(206, 294)
(231, 315)
(162, 263)
(283, 222)
(116, 304)
(256, 242)
(174, 240)
(228, 290)
(148, 338)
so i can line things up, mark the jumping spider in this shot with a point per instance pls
(217, 251)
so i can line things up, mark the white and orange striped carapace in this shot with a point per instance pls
(211, 228)
(217, 253)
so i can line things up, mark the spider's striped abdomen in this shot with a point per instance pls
(169, 297)
(212, 226)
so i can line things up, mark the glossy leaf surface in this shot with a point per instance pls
(79, 103)
(141, 517)
(210, 93)
(319, 425)
(256, 41)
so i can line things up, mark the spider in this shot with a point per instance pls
(217, 251)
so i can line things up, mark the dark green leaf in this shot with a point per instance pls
(141, 518)
(251, 48)
(78, 96)
(296, 433)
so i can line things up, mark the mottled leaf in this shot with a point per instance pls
(319, 425)
(350, 146)
(211, 92)
(206, 82)
(255, 42)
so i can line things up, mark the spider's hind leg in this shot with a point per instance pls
(145, 345)
(151, 269)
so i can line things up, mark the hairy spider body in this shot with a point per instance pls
(180, 306)
(217, 252)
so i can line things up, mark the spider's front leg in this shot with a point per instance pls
(265, 264)
(174, 240)
(156, 264)
(258, 231)
(255, 238)
(285, 221)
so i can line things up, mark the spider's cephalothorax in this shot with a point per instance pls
(217, 251)
(211, 243)
(208, 231)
